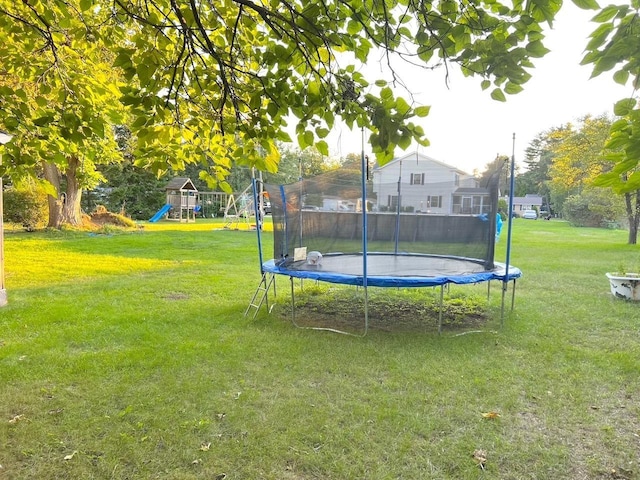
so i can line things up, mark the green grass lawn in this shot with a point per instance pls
(127, 356)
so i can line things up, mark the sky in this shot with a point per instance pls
(467, 129)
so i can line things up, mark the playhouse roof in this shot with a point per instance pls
(182, 184)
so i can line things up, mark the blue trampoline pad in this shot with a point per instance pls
(391, 270)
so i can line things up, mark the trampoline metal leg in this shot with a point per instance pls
(293, 303)
(366, 311)
(441, 308)
(505, 286)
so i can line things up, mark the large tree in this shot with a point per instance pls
(536, 177)
(565, 161)
(614, 47)
(59, 97)
(576, 155)
(217, 83)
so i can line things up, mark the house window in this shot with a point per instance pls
(456, 179)
(417, 179)
(392, 201)
(434, 201)
(462, 204)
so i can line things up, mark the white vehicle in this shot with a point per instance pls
(530, 214)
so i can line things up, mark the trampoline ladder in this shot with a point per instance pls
(262, 294)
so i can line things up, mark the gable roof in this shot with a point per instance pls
(181, 183)
(528, 199)
(419, 157)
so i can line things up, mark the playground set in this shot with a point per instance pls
(184, 203)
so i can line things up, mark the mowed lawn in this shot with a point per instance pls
(128, 356)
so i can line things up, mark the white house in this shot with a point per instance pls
(530, 201)
(426, 185)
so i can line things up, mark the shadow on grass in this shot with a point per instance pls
(389, 310)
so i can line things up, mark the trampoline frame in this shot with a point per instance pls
(313, 273)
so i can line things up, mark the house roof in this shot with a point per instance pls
(528, 199)
(419, 157)
(181, 183)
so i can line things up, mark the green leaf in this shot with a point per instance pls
(283, 136)
(123, 59)
(305, 139)
(624, 107)
(313, 87)
(497, 94)
(621, 77)
(85, 5)
(586, 4)
(606, 14)
(604, 64)
(402, 107)
(11, 122)
(422, 111)
(145, 71)
(404, 142)
(42, 121)
(599, 36)
(386, 93)
(322, 147)
(537, 49)
(322, 132)
(139, 122)
(616, 142)
(513, 88)
(606, 180)
(353, 27)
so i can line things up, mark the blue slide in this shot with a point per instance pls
(160, 213)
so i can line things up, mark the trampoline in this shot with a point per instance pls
(410, 233)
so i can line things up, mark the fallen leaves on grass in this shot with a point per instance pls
(480, 457)
(621, 473)
(16, 418)
(491, 415)
(71, 455)
(205, 446)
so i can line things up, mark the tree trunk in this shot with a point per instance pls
(71, 207)
(65, 208)
(633, 215)
(52, 175)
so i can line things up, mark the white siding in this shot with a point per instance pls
(439, 182)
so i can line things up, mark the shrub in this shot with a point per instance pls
(26, 206)
(596, 207)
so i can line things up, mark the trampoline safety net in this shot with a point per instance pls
(455, 218)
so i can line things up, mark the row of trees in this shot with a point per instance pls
(574, 167)
(216, 84)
